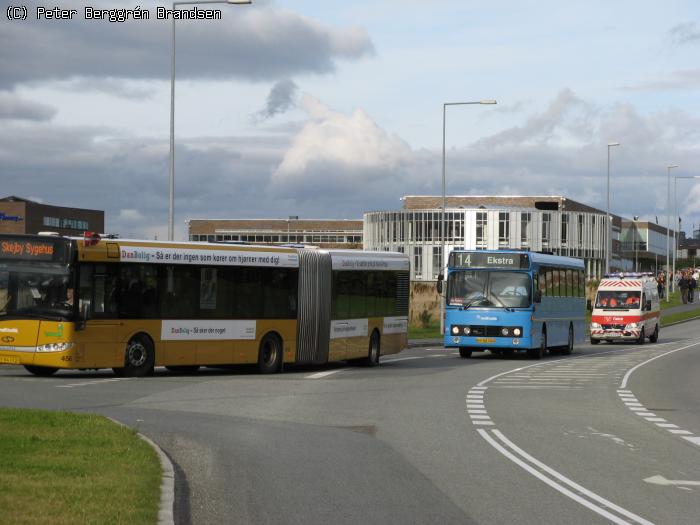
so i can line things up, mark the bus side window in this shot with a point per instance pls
(543, 281)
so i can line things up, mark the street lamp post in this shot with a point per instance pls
(634, 239)
(608, 236)
(669, 278)
(171, 178)
(444, 197)
(676, 236)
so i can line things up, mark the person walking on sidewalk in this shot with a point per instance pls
(683, 285)
(692, 284)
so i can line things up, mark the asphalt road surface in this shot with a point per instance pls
(608, 434)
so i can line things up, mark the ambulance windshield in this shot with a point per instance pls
(618, 300)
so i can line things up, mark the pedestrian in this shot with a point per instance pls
(660, 284)
(683, 285)
(692, 284)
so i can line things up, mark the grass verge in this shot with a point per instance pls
(674, 299)
(63, 468)
(431, 331)
(680, 316)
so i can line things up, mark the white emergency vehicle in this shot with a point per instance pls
(626, 308)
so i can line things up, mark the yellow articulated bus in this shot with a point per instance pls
(131, 305)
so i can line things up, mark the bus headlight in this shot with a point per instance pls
(516, 332)
(504, 332)
(595, 325)
(632, 326)
(467, 330)
(455, 330)
(54, 347)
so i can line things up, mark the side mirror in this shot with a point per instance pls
(589, 305)
(85, 313)
(440, 280)
(538, 296)
(647, 306)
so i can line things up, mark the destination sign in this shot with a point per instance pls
(26, 250)
(480, 259)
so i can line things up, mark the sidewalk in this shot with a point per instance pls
(682, 308)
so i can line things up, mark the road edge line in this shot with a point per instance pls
(167, 482)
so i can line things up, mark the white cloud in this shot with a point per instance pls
(334, 150)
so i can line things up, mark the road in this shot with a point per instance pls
(609, 434)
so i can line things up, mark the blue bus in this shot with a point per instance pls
(509, 301)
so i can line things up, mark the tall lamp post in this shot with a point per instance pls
(669, 278)
(608, 225)
(675, 207)
(634, 239)
(444, 198)
(171, 178)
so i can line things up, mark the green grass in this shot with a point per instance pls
(432, 331)
(63, 468)
(681, 316)
(674, 300)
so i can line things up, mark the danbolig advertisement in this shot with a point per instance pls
(149, 254)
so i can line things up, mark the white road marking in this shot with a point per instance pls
(666, 425)
(483, 422)
(480, 417)
(660, 480)
(631, 370)
(655, 419)
(476, 411)
(477, 407)
(646, 414)
(401, 359)
(601, 510)
(694, 440)
(681, 432)
(320, 375)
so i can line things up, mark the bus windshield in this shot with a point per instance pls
(41, 292)
(489, 289)
(617, 300)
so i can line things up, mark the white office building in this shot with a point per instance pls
(548, 224)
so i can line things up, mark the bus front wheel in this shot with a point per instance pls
(270, 355)
(539, 352)
(139, 358)
(43, 371)
(569, 348)
(465, 352)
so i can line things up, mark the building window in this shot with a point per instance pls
(437, 261)
(546, 229)
(52, 221)
(564, 229)
(418, 262)
(481, 226)
(503, 229)
(580, 230)
(525, 225)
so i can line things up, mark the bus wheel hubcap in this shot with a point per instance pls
(136, 354)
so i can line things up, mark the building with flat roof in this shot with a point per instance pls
(18, 215)
(553, 224)
(326, 233)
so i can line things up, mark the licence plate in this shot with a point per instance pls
(9, 360)
(613, 334)
(485, 340)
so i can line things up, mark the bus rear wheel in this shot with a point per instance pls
(43, 371)
(465, 352)
(270, 355)
(372, 358)
(139, 358)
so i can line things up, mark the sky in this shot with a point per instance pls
(328, 109)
